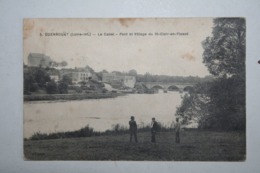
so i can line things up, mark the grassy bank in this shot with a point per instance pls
(44, 97)
(88, 131)
(195, 146)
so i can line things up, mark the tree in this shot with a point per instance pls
(64, 63)
(224, 52)
(117, 73)
(35, 78)
(64, 84)
(220, 104)
(41, 77)
(104, 71)
(66, 79)
(132, 72)
(29, 83)
(51, 87)
(149, 78)
(195, 105)
(63, 87)
(224, 55)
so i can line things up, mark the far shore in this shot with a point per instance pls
(64, 97)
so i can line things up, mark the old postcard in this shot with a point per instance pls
(146, 89)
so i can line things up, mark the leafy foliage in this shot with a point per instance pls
(35, 78)
(132, 72)
(83, 132)
(63, 87)
(64, 83)
(147, 77)
(51, 87)
(195, 104)
(220, 104)
(41, 77)
(228, 104)
(224, 52)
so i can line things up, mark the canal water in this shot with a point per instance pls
(100, 114)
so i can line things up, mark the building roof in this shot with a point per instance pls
(39, 55)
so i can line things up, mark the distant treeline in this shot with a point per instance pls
(52, 97)
(178, 79)
(147, 77)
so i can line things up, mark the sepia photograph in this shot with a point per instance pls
(134, 89)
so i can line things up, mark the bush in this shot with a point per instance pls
(104, 90)
(78, 90)
(63, 88)
(89, 132)
(51, 87)
(83, 132)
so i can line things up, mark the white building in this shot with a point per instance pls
(127, 81)
(55, 78)
(79, 74)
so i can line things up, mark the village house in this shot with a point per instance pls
(38, 59)
(79, 74)
(129, 81)
(119, 80)
(54, 77)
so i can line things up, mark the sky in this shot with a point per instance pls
(178, 54)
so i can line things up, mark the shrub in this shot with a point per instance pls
(51, 87)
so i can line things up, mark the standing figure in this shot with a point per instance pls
(154, 128)
(133, 128)
(177, 130)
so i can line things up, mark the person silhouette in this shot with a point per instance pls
(154, 128)
(133, 129)
(177, 130)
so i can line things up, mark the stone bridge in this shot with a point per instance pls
(169, 85)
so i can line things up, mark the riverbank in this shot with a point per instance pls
(194, 146)
(48, 97)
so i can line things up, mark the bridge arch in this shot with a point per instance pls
(188, 88)
(173, 88)
(157, 87)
